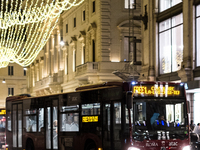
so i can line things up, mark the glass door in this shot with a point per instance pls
(17, 125)
(112, 126)
(106, 126)
(117, 124)
(51, 124)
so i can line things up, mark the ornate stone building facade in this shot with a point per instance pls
(170, 45)
(95, 42)
(12, 82)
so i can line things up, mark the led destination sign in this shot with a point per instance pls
(90, 119)
(158, 90)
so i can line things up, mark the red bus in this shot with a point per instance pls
(109, 116)
(2, 128)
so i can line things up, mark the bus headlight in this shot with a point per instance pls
(186, 148)
(133, 148)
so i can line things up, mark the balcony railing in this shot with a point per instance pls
(44, 82)
(91, 67)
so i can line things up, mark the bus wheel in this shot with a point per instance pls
(91, 146)
(29, 145)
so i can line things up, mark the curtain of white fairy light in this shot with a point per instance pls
(25, 27)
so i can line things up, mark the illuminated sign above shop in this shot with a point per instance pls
(89, 118)
(157, 90)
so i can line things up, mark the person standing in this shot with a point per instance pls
(192, 125)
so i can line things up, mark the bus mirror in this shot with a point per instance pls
(129, 100)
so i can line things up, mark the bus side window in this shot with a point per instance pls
(70, 122)
(69, 119)
(41, 119)
(30, 118)
(91, 109)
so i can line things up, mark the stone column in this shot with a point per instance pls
(185, 73)
(49, 57)
(56, 49)
(33, 76)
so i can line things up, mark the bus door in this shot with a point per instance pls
(51, 119)
(17, 126)
(111, 126)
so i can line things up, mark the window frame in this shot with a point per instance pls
(169, 7)
(24, 72)
(93, 6)
(83, 15)
(134, 44)
(161, 16)
(66, 28)
(10, 91)
(196, 17)
(10, 70)
(158, 42)
(127, 8)
(69, 112)
(74, 22)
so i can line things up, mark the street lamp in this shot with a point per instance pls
(62, 43)
(4, 81)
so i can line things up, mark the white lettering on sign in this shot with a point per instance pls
(173, 143)
(151, 144)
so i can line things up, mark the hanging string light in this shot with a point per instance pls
(25, 27)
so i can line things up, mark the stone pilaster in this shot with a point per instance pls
(149, 42)
(185, 73)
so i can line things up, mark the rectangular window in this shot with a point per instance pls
(74, 22)
(129, 47)
(198, 35)
(10, 70)
(10, 91)
(83, 54)
(93, 6)
(93, 50)
(30, 115)
(69, 118)
(66, 28)
(91, 109)
(129, 4)
(171, 44)
(166, 4)
(74, 61)
(84, 15)
(24, 72)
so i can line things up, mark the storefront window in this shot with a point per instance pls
(166, 4)
(198, 35)
(171, 44)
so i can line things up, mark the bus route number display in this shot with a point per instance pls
(89, 118)
(156, 91)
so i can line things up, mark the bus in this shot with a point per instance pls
(107, 116)
(2, 128)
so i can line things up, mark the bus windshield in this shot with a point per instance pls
(153, 115)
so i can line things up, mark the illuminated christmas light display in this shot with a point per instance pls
(25, 27)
